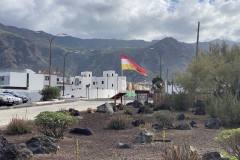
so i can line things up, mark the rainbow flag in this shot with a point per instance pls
(128, 64)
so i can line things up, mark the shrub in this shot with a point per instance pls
(230, 141)
(50, 93)
(224, 155)
(164, 118)
(127, 112)
(180, 102)
(168, 100)
(54, 124)
(227, 109)
(19, 126)
(162, 106)
(180, 152)
(117, 123)
(145, 109)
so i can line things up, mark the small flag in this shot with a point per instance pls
(128, 64)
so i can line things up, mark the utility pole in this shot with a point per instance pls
(160, 65)
(197, 39)
(167, 80)
(172, 83)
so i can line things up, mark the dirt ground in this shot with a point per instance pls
(103, 143)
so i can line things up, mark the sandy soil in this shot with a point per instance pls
(103, 143)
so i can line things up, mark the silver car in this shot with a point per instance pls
(16, 100)
(6, 100)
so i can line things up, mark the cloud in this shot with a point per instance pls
(124, 19)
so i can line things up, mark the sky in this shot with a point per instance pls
(127, 19)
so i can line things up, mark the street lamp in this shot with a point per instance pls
(50, 39)
(64, 70)
(160, 59)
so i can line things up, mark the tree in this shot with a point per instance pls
(216, 72)
(158, 84)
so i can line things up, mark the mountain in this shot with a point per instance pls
(22, 48)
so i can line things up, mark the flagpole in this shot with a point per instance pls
(121, 67)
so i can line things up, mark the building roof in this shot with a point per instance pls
(53, 73)
(65, 83)
(141, 91)
(118, 95)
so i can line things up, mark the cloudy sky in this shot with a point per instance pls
(127, 19)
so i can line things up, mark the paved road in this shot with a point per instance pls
(31, 112)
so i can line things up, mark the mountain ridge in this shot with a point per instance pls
(22, 48)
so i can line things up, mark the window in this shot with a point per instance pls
(93, 83)
(112, 85)
(107, 75)
(112, 74)
(2, 78)
(89, 75)
(76, 82)
(46, 86)
(47, 78)
(72, 82)
(80, 82)
(102, 82)
(57, 79)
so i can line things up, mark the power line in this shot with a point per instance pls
(123, 7)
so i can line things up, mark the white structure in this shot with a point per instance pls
(97, 87)
(30, 83)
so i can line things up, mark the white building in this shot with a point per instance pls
(90, 86)
(30, 83)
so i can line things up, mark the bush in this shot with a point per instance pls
(145, 110)
(230, 141)
(50, 93)
(54, 124)
(180, 152)
(224, 155)
(180, 102)
(168, 100)
(127, 112)
(227, 109)
(117, 123)
(19, 126)
(164, 118)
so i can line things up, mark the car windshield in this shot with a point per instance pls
(15, 94)
(8, 94)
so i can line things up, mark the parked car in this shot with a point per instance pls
(16, 100)
(24, 98)
(5, 99)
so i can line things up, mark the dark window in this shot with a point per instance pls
(57, 79)
(80, 82)
(77, 82)
(107, 75)
(112, 74)
(1, 78)
(47, 78)
(102, 82)
(89, 75)
(93, 83)
(112, 85)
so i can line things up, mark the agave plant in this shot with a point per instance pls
(180, 152)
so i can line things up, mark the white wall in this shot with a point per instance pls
(18, 79)
(36, 81)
